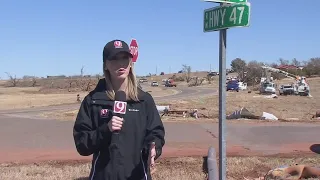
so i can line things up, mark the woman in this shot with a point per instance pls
(141, 132)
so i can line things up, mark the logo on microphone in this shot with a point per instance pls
(120, 107)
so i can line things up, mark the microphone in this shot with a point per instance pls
(120, 104)
(119, 109)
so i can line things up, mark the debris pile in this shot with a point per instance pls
(166, 111)
(293, 172)
(244, 113)
(317, 115)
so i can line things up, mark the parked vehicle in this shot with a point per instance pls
(233, 85)
(212, 74)
(242, 86)
(170, 83)
(286, 89)
(142, 80)
(154, 83)
(268, 88)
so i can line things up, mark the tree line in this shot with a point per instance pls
(252, 71)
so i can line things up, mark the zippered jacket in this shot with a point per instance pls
(142, 126)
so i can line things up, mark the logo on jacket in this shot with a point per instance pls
(135, 110)
(120, 107)
(104, 113)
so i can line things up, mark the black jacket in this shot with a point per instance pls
(142, 125)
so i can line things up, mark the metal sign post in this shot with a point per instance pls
(230, 13)
(222, 103)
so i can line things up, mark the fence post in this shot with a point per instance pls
(212, 164)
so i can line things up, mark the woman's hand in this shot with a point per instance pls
(115, 124)
(152, 153)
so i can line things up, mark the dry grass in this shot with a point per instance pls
(284, 107)
(189, 168)
(28, 97)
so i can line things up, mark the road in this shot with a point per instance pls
(27, 139)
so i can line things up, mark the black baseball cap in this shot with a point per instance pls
(114, 47)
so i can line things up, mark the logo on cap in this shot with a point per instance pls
(117, 44)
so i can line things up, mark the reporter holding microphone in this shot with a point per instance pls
(118, 122)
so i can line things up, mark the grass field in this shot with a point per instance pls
(29, 97)
(188, 168)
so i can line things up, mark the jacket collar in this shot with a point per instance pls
(99, 93)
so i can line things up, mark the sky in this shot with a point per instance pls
(40, 38)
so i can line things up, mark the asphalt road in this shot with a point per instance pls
(25, 138)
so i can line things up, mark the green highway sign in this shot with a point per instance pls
(226, 16)
(226, 1)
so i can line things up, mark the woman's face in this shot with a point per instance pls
(119, 66)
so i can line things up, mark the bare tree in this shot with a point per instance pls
(71, 81)
(34, 82)
(187, 70)
(98, 76)
(295, 62)
(283, 61)
(13, 80)
(274, 65)
(196, 81)
(87, 85)
(209, 79)
(82, 71)
(254, 73)
(239, 66)
(313, 67)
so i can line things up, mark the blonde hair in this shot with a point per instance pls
(132, 85)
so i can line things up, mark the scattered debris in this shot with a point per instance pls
(268, 116)
(78, 98)
(292, 119)
(271, 96)
(194, 113)
(242, 113)
(317, 115)
(163, 108)
(293, 172)
(184, 113)
(245, 113)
